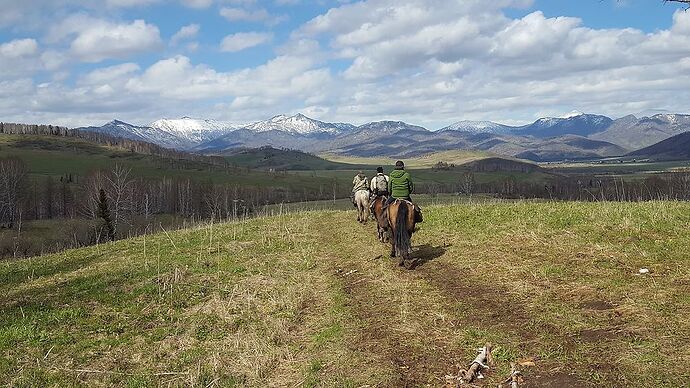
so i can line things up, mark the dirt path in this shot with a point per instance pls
(426, 322)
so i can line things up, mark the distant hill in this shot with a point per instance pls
(182, 134)
(634, 133)
(269, 158)
(673, 148)
(577, 123)
(574, 136)
(574, 123)
(478, 127)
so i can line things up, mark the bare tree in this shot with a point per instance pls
(91, 186)
(12, 176)
(120, 194)
(468, 183)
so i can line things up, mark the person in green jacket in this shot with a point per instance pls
(400, 184)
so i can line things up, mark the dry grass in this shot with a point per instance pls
(425, 161)
(307, 300)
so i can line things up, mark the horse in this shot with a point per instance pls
(381, 220)
(362, 203)
(402, 219)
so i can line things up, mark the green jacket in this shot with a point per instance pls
(400, 185)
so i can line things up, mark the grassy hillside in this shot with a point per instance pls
(285, 301)
(56, 156)
(456, 157)
(271, 158)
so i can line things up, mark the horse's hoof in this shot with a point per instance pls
(401, 263)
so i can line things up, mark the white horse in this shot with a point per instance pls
(362, 202)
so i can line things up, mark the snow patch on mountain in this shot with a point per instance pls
(192, 130)
(574, 113)
(298, 124)
(477, 127)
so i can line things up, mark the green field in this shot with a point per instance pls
(311, 299)
(57, 156)
(297, 171)
(628, 168)
(457, 157)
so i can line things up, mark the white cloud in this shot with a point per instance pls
(235, 14)
(101, 40)
(18, 48)
(244, 40)
(197, 3)
(417, 60)
(186, 32)
(109, 74)
(19, 58)
(241, 14)
(53, 60)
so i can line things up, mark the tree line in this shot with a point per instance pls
(663, 186)
(136, 146)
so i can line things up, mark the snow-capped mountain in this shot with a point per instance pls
(388, 127)
(576, 123)
(125, 130)
(191, 131)
(298, 124)
(571, 136)
(184, 133)
(574, 113)
(478, 127)
(633, 133)
(119, 128)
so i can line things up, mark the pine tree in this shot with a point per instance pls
(104, 213)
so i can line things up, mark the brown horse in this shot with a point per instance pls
(401, 222)
(381, 219)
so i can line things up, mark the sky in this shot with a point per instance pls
(426, 62)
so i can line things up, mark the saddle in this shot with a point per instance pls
(417, 210)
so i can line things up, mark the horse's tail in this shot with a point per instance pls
(402, 237)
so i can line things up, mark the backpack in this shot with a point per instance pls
(381, 184)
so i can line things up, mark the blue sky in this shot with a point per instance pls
(78, 62)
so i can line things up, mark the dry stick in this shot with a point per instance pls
(169, 238)
(513, 379)
(478, 363)
(514, 376)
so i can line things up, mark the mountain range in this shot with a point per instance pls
(574, 136)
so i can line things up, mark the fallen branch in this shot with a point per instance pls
(514, 379)
(479, 363)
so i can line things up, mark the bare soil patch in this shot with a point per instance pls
(597, 305)
(413, 365)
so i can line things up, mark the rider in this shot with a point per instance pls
(359, 183)
(379, 185)
(400, 186)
